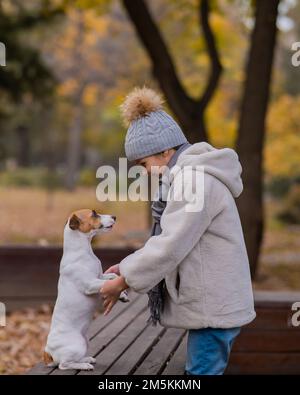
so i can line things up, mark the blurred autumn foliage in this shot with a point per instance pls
(94, 57)
(70, 64)
(283, 137)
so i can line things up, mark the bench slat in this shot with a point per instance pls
(135, 354)
(264, 363)
(39, 369)
(124, 343)
(119, 308)
(176, 365)
(272, 319)
(112, 331)
(116, 348)
(153, 364)
(97, 325)
(267, 341)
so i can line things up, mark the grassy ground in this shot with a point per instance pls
(32, 216)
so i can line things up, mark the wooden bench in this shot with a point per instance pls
(29, 274)
(123, 343)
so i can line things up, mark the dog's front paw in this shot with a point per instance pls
(124, 297)
(76, 365)
(86, 366)
(89, 360)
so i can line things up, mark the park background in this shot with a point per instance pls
(225, 70)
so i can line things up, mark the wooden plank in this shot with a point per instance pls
(19, 252)
(155, 362)
(119, 308)
(267, 341)
(107, 356)
(257, 342)
(99, 324)
(277, 298)
(264, 363)
(110, 332)
(29, 274)
(21, 303)
(40, 369)
(272, 318)
(15, 257)
(176, 366)
(244, 362)
(137, 351)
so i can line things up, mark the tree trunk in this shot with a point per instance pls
(195, 124)
(74, 146)
(251, 132)
(188, 111)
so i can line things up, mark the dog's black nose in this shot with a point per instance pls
(114, 217)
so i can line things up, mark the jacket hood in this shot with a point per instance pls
(222, 163)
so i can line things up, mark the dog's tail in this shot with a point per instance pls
(47, 358)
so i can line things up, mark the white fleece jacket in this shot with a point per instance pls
(201, 255)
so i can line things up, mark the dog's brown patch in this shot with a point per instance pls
(74, 222)
(47, 358)
(84, 220)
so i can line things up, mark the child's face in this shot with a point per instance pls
(155, 163)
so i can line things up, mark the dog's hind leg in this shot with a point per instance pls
(88, 360)
(72, 355)
(76, 366)
(48, 360)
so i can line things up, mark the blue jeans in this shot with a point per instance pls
(208, 350)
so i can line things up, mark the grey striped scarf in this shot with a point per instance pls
(156, 294)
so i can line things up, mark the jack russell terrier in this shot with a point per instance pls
(81, 277)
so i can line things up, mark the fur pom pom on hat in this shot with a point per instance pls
(151, 130)
(139, 103)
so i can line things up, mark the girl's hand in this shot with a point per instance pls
(111, 291)
(113, 269)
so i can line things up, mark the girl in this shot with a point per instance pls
(195, 266)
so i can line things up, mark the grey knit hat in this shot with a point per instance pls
(151, 130)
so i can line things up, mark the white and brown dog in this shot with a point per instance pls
(81, 277)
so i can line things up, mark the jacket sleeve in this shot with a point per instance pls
(181, 230)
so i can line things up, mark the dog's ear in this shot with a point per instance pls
(74, 222)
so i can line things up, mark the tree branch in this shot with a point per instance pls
(216, 66)
(163, 65)
(189, 111)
